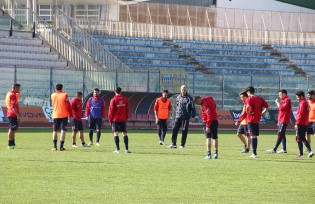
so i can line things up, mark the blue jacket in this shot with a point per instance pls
(185, 107)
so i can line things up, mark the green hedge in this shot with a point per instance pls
(304, 3)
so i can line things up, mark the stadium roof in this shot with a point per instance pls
(304, 3)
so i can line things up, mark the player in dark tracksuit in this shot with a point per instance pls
(185, 109)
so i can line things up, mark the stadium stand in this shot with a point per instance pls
(29, 52)
(144, 53)
(298, 57)
(234, 58)
(210, 57)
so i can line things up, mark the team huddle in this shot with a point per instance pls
(95, 113)
(64, 110)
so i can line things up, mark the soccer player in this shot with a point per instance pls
(162, 108)
(76, 107)
(61, 114)
(311, 124)
(185, 109)
(117, 116)
(284, 116)
(210, 123)
(13, 112)
(95, 111)
(242, 128)
(255, 107)
(301, 122)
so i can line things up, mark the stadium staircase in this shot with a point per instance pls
(50, 49)
(30, 52)
(38, 64)
(6, 21)
(191, 60)
(299, 58)
(282, 58)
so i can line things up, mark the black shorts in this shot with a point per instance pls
(60, 123)
(77, 125)
(13, 123)
(242, 129)
(253, 129)
(95, 123)
(300, 133)
(213, 130)
(311, 128)
(119, 127)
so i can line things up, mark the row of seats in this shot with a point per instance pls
(238, 58)
(29, 52)
(301, 56)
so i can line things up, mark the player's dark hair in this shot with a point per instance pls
(59, 87)
(244, 93)
(79, 93)
(283, 91)
(312, 92)
(97, 89)
(165, 91)
(16, 85)
(300, 93)
(250, 89)
(196, 98)
(118, 90)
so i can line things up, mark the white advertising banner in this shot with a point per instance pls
(48, 113)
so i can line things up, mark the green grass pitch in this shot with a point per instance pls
(32, 173)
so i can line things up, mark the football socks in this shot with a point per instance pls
(116, 138)
(126, 141)
(98, 136)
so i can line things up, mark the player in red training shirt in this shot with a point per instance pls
(210, 123)
(77, 125)
(284, 117)
(13, 112)
(255, 107)
(301, 123)
(117, 116)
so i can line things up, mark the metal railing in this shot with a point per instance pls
(195, 33)
(86, 41)
(57, 39)
(224, 89)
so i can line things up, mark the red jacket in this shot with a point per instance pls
(285, 108)
(256, 105)
(76, 107)
(209, 112)
(118, 109)
(302, 113)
